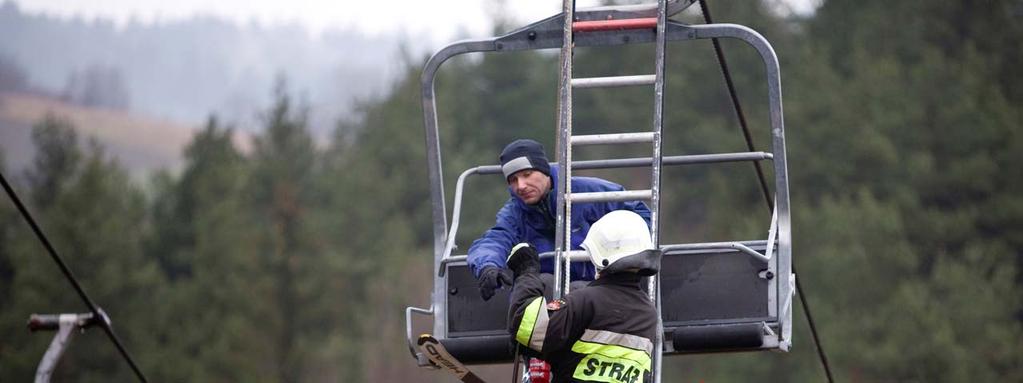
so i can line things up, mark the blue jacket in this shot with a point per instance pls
(536, 224)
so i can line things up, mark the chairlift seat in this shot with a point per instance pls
(712, 300)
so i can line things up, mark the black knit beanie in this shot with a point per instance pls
(524, 154)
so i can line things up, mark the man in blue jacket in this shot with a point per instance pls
(530, 214)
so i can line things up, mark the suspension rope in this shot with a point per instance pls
(763, 184)
(97, 312)
(738, 108)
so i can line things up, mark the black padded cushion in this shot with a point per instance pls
(481, 349)
(718, 337)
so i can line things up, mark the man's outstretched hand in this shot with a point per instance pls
(491, 279)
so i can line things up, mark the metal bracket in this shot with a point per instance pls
(421, 359)
(64, 324)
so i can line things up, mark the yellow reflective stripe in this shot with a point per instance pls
(613, 352)
(600, 368)
(529, 321)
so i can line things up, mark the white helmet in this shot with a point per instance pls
(620, 234)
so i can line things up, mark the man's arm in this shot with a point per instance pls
(492, 248)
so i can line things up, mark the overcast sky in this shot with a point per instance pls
(442, 19)
(436, 20)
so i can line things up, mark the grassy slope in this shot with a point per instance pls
(141, 144)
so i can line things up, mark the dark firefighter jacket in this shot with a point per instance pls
(601, 333)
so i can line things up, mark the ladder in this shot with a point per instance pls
(566, 141)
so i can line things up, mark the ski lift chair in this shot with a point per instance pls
(722, 296)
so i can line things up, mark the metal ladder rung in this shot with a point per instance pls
(614, 138)
(616, 196)
(615, 81)
(614, 25)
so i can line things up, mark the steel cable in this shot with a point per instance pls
(104, 320)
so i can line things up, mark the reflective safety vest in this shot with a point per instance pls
(601, 333)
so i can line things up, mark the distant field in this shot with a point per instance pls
(140, 144)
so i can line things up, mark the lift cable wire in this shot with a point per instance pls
(763, 183)
(97, 312)
(738, 107)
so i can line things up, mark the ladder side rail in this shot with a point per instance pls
(562, 236)
(655, 179)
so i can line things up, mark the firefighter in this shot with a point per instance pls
(603, 332)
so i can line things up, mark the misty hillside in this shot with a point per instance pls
(184, 70)
(139, 143)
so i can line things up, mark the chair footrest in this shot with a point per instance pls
(480, 349)
(718, 337)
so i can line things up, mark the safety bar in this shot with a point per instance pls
(716, 246)
(581, 255)
(573, 255)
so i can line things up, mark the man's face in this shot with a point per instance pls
(529, 185)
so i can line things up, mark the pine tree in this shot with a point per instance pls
(202, 237)
(283, 196)
(93, 219)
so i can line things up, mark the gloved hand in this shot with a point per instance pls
(491, 279)
(524, 260)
